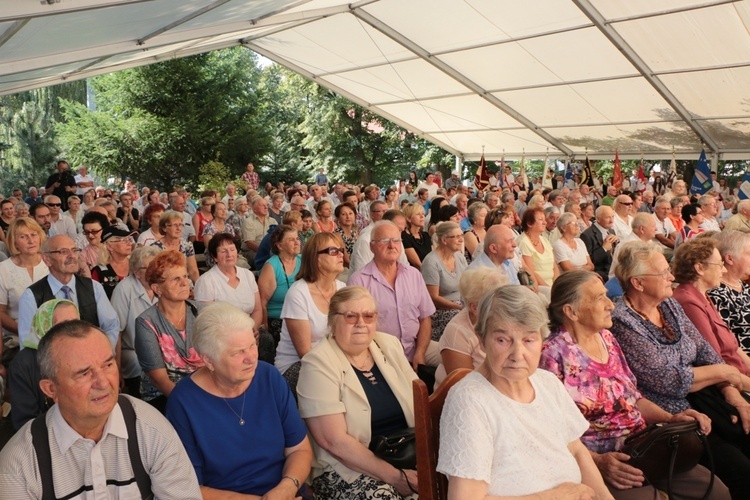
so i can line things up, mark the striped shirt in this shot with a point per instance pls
(83, 469)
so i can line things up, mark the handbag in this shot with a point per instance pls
(664, 449)
(398, 448)
(524, 278)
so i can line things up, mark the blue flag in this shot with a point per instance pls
(568, 172)
(744, 188)
(702, 182)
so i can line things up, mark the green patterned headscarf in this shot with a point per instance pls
(42, 321)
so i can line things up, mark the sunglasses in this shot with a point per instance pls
(54, 204)
(351, 318)
(332, 251)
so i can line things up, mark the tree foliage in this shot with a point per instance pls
(28, 141)
(159, 124)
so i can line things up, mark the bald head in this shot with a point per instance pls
(605, 216)
(500, 243)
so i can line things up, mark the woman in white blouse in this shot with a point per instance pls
(226, 282)
(25, 266)
(570, 250)
(305, 311)
(493, 437)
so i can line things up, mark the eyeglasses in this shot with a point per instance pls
(53, 204)
(352, 318)
(175, 224)
(91, 232)
(720, 264)
(385, 241)
(65, 252)
(666, 274)
(626, 204)
(453, 236)
(332, 251)
(121, 240)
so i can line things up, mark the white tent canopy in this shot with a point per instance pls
(513, 77)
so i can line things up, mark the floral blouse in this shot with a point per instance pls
(734, 308)
(663, 368)
(606, 393)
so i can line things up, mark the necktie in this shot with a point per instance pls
(66, 291)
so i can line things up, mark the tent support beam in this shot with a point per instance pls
(298, 69)
(456, 75)
(619, 42)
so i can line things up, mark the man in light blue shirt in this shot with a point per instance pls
(499, 250)
(61, 256)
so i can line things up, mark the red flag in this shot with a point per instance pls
(641, 182)
(617, 176)
(482, 177)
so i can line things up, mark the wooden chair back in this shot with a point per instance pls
(427, 411)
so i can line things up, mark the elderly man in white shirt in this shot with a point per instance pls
(623, 219)
(710, 206)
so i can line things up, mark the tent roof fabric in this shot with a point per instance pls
(557, 77)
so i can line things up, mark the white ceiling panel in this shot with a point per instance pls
(642, 76)
(452, 114)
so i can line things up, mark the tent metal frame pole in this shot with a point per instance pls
(456, 75)
(619, 42)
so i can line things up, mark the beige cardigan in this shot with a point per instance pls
(329, 385)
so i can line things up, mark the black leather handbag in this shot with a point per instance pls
(398, 449)
(664, 449)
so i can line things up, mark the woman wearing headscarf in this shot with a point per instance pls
(26, 398)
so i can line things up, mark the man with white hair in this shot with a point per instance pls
(405, 308)
(710, 206)
(499, 250)
(643, 228)
(666, 233)
(362, 254)
(600, 240)
(623, 219)
(741, 220)
(59, 224)
(679, 188)
(84, 182)
(231, 194)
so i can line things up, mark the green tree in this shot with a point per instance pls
(159, 124)
(28, 141)
(354, 144)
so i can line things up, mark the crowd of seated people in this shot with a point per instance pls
(298, 316)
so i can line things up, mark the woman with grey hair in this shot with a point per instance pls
(732, 296)
(459, 345)
(654, 332)
(170, 226)
(491, 440)
(130, 298)
(236, 416)
(588, 360)
(570, 250)
(441, 270)
(354, 386)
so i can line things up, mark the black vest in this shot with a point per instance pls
(84, 293)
